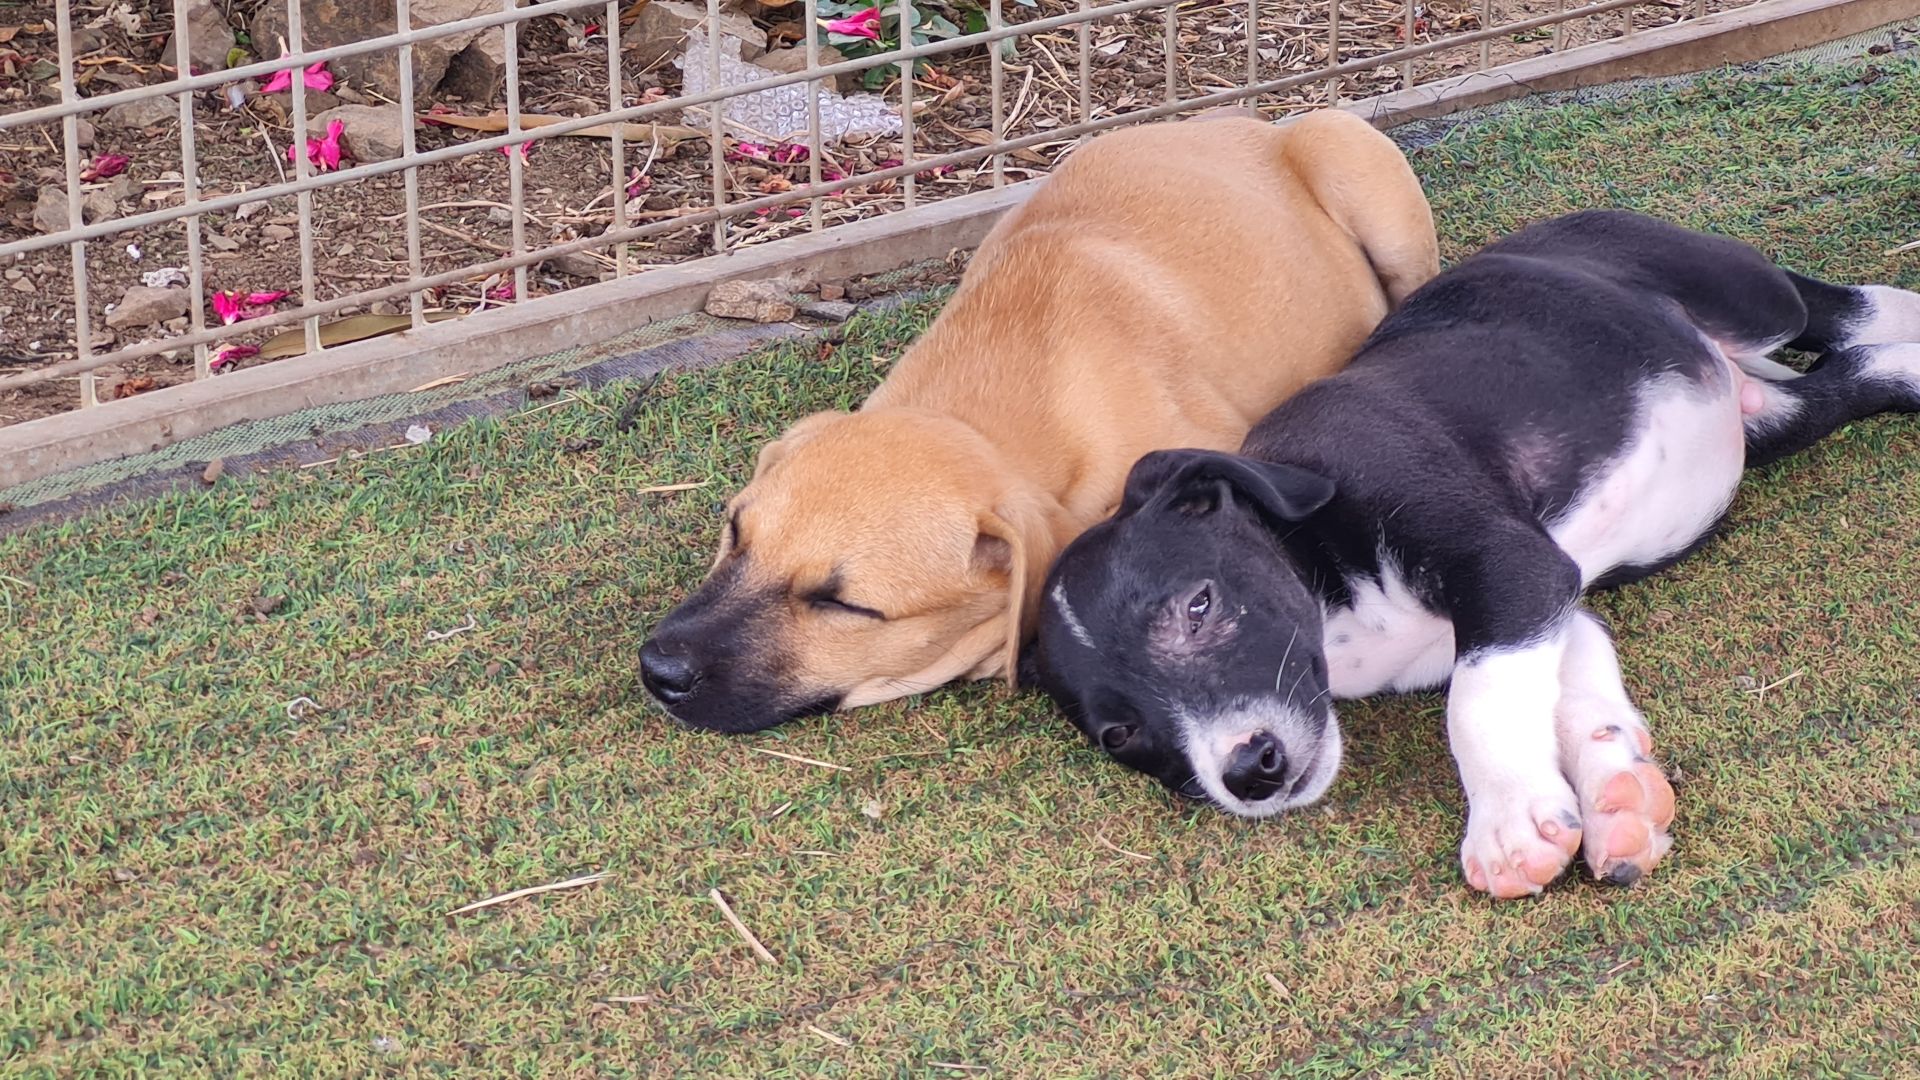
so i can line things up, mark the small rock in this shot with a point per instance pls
(829, 310)
(209, 38)
(266, 605)
(146, 306)
(50, 210)
(479, 71)
(83, 133)
(145, 113)
(370, 132)
(788, 61)
(577, 264)
(661, 31)
(500, 215)
(122, 875)
(99, 205)
(25, 286)
(215, 469)
(276, 232)
(833, 291)
(761, 301)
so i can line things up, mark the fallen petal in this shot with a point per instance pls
(226, 307)
(105, 166)
(278, 83)
(317, 77)
(262, 299)
(227, 354)
(864, 24)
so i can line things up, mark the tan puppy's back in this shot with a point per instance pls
(1085, 316)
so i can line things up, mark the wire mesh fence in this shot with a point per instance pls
(317, 172)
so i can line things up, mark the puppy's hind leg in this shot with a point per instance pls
(1846, 385)
(1626, 804)
(1845, 316)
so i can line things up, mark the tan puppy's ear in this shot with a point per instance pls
(802, 430)
(1019, 543)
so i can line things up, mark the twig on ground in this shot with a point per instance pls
(1111, 846)
(798, 758)
(630, 412)
(438, 383)
(740, 927)
(1278, 986)
(533, 890)
(659, 489)
(442, 635)
(957, 1066)
(1910, 246)
(301, 706)
(830, 1036)
(1761, 691)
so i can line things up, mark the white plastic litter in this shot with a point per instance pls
(419, 433)
(780, 113)
(163, 277)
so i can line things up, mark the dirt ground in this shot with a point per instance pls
(360, 229)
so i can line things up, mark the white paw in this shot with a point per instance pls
(1520, 836)
(1626, 803)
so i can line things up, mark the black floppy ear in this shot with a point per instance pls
(1202, 477)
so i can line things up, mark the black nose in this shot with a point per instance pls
(667, 676)
(1256, 768)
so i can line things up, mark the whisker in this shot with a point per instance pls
(1283, 660)
(1296, 683)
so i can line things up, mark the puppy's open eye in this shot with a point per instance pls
(733, 530)
(1197, 607)
(1115, 737)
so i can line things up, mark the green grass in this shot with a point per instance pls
(195, 880)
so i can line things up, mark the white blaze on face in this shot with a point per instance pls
(1074, 626)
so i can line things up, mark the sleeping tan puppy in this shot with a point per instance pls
(1165, 288)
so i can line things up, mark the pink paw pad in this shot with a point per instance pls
(1626, 822)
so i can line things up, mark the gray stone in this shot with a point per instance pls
(143, 306)
(276, 233)
(829, 310)
(479, 72)
(209, 39)
(327, 23)
(661, 31)
(99, 205)
(50, 210)
(145, 113)
(577, 264)
(83, 133)
(788, 61)
(370, 132)
(760, 301)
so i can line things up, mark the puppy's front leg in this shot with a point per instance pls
(1510, 610)
(1626, 803)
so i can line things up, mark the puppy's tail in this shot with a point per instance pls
(1363, 182)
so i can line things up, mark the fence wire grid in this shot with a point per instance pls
(659, 132)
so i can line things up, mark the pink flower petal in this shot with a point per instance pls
(748, 151)
(501, 293)
(790, 153)
(104, 166)
(317, 77)
(279, 82)
(525, 148)
(262, 299)
(227, 354)
(227, 307)
(865, 24)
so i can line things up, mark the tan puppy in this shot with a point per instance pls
(1165, 288)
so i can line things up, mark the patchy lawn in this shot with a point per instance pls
(258, 740)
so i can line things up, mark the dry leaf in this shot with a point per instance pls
(980, 137)
(669, 134)
(343, 331)
(7, 33)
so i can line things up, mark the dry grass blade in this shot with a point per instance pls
(1278, 986)
(801, 760)
(1117, 849)
(830, 1036)
(534, 890)
(670, 134)
(739, 927)
(659, 489)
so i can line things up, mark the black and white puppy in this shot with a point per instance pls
(1570, 408)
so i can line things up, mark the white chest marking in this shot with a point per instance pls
(1387, 640)
(1671, 484)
